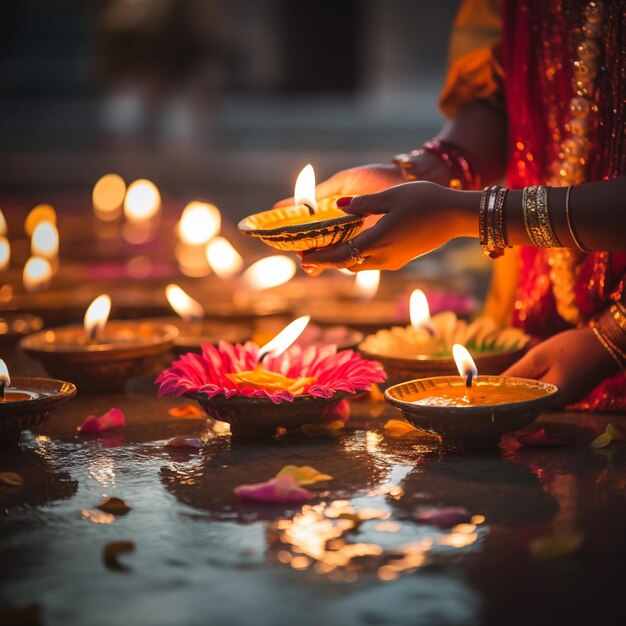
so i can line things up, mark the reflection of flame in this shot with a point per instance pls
(366, 284)
(45, 240)
(269, 272)
(304, 192)
(285, 337)
(37, 274)
(108, 196)
(199, 223)
(184, 305)
(96, 317)
(3, 224)
(224, 260)
(142, 202)
(5, 379)
(464, 362)
(5, 253)
(420, 312)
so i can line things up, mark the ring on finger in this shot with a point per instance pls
(355, 253)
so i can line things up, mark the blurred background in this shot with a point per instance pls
(223, 99)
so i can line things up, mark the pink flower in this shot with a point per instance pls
(281, 490)
(113, 418)
(332, 371)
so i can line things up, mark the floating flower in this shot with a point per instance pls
(226, 370)
(555, 546)
(305, 475)
(182, 442)
(188, 411)
(281, 490)
(11, 479)
(603, 440)
(113, 418)
(541, 439)
(115, 506)
(445, 517)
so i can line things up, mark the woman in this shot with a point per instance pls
(539, 92)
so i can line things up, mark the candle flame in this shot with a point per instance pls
(269, 272)
(96, 317)
(40, 213)
(285, 337)
(5, 379)
(184, 305)
(199, 222)
(142, 201)
(304, 192)
(419, 309)
(366, 284)
(5, 253)
(37, 274)
(224, 260)
(3, 224)
(108, 196)
(464, 363)
(45, 240)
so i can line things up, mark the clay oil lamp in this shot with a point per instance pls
(424, 348)
(306, 225)
(257, 389)
(470, 411)
(100, 355)
(14, 326)
(27, 402)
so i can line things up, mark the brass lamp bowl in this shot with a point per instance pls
(40, 397)
(470, 426)
(292, 229)
(127, 349)
(258, 418)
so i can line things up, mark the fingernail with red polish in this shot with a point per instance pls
(343, 202)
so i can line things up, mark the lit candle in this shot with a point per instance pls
(5, 381)
(142, 202)
(5, 253)
(465, 364)
(269, 272)
(108, 197)
(420, 311)
(41, 213)
(45, 240)
(96, 318)
(185, 306)
(199, 222)
(366, 284)
(224, 260)
(37, 274)
(304, 191)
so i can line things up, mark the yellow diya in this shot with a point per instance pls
(306, 225)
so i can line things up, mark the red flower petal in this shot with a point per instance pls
(114, 418)
(281, 490)
(540, 439)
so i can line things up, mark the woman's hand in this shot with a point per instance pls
(573, 360)
(416, 218)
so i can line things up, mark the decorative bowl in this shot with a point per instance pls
(471, 426)
(45, 395)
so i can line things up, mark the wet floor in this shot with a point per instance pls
(354, 555)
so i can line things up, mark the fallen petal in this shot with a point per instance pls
(304, 475)
(400, 428)
(113, 550)
(323, 429)
(188, 411)
(11, 479)
(182, 442)
(603, 440)
(540, 439)
(279, 490)
(445, 517)
(115, 506)
(555, 546)
(114, 418)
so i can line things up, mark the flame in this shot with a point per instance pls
(5, 379)
(45, 240)
(269, 272)
(199, 222)
(37, 274)
(96, 317)
(3, 224)
(5, 253)
(285, 337)
(184, 305)
(41, 213)
(142, 201)
(304, 192)
(366, 284)
(108, 197)
(224, 260)
(419, 310)
(464, 362)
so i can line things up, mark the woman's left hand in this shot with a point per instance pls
(573, 360)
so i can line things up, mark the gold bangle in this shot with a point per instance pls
(606, 345)
(529, 209)
(543, 218)
(569, 222)
(482, 221)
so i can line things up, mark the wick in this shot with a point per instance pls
(311, 209)
(468, 380)
(262, 357)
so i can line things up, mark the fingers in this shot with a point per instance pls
(284, 202)
(531, 365)
(370, 204)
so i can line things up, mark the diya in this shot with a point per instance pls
(100, 355)
(469, 411)
(424, 348)
(256, 390)
(306, 225)
(28, 402)
(15, 325)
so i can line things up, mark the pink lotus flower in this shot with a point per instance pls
(332, 371)
(283, 490)
(113, 418)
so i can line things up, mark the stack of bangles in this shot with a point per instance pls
(610, 329)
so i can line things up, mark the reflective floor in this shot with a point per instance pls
(354, 555)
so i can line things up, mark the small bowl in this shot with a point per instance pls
(400, 369)
(464, 427)
(258, 418)
(45, 394)
(272, 227)
(127, 349)
(14, 325)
